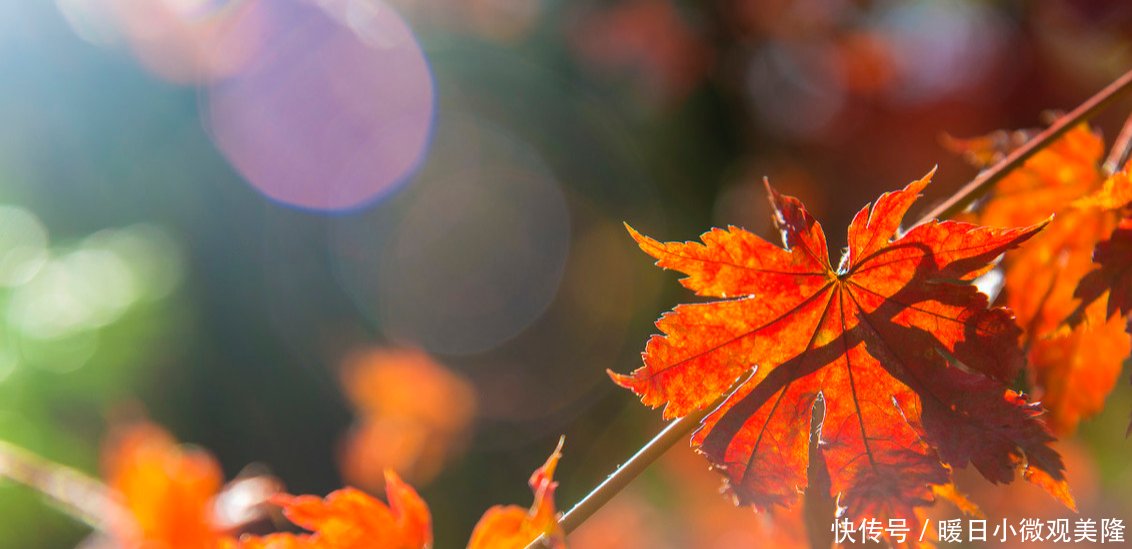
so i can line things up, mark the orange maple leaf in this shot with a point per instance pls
(1074, 368)
(513, 527)
(911, 363)
(167, 487)
(351, 519)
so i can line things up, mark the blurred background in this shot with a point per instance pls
(329, 236)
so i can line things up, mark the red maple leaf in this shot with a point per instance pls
(1112, 277)
(910, 361)
(1115, 258)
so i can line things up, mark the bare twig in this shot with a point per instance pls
(987, 178)
(676, 431)
(77, 494)
(1120, 148)
(682, 427)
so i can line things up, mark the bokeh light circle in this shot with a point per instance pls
(472, 254)
(335, 109)
(943, 49)
(480, 251)
(23, 245)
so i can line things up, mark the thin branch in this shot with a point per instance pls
(77, 494)
(1120, 148)
(676, 431)
(682, 427)
(679, 429)
(987, 178)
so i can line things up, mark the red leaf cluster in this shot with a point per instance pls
(911, 363)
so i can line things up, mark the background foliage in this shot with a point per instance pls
(141, 269)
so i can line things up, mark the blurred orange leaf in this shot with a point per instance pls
(167, 487)
(413, 415)
(1074, 368)
(513, 527)
(648, 38)
(881, 338)
(987, 149)
(1115, 194)
(351, 519)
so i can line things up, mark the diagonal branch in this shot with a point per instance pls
(78, 495)
(987, 178)
(676, 431)
(680, 428)
(1120, 149)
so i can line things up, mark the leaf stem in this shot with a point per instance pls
(677, 430)
(682, 427)
(1118, 155)
(987, 178)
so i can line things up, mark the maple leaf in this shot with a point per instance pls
(910, 362)
(1112, 279)
(1072, 368)
(350, 519)
(1114, 276)
(513, 527)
